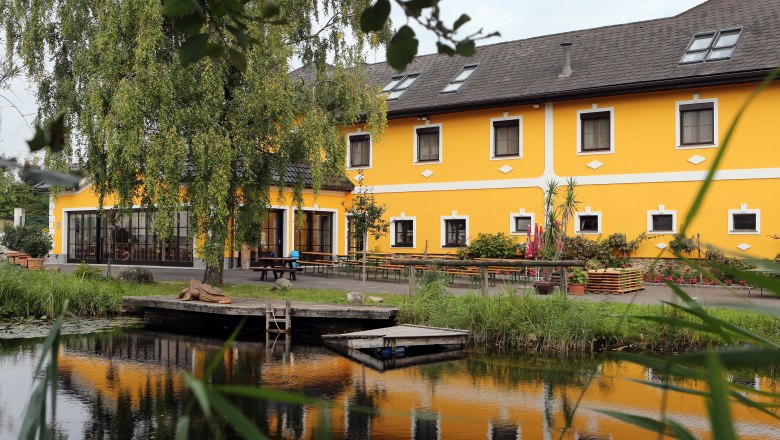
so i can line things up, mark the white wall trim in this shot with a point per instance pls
(520, 213)
(414, 230)
(577, 222)
(414, 145)
(678, 123)
(370, 150)
(650, 215)
(757, 212)
(493, 138)
(608, 179)
(443, 230)
(611, 111)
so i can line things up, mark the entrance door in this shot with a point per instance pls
(314, 232)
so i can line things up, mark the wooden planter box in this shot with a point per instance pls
(615, 280)
(35, 263)
(576, 289)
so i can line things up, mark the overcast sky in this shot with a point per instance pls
(514, 19)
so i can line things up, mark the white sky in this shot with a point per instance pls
(514, 19)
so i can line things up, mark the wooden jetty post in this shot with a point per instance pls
(412, 280)
(483, 280)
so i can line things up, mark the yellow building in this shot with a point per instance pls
(637, 113)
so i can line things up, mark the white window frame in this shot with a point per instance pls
(414, 145)
(577, 222)
(493, 156)
(414, 230)
(757, 212)
(678, 123)
(611, 111)
(370, 150)
(650, 215)
(443, 230)
(512, 216)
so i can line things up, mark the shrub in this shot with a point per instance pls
(578, 276)
(610, 252)
(497, 245)
(137, 275)
(14, 236)
(36, 242)
(86, 272)
(681, 244)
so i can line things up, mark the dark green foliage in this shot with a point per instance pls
(681, 244)
(612, 251)
(14, 238)
(578, 276)
(18, 194)
(497, 245)
(137, 275)
(36, 242)
(86, 272)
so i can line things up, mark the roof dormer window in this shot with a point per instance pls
(398, 85)
(459, 79)
(711, 46)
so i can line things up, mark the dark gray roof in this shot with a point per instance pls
(637, 56)
(331, 181)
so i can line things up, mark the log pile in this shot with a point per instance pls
(204, 292)
(614, 281)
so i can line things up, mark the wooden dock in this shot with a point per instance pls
(257, 308)
(406, 335)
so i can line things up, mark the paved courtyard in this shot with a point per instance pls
(653, 294)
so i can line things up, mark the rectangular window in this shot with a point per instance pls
(506, 138)
(428, 144)
(398, 85)
(522, 223)
(662, 223)
(404, 233)
(595, 131)
(455, 233)
(744, 222)
(355, 240)
(455, 83)
(697, 124)
(589, 223)
(359, 151)
(314, 232)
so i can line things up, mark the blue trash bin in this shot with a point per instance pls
(296, 255)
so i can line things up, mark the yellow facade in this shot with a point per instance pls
(645, 171)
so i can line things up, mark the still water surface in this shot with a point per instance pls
(126, 384)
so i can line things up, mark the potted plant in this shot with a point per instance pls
(38, 244)
(577, 282)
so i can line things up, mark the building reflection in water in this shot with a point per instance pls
(130, 384)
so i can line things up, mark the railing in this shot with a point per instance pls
(483, 265)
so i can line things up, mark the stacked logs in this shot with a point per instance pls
(203, 292)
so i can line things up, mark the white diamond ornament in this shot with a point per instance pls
(744, 247)
(662, 245)
(696, 159)
(505, 169)
(359, 177)
(427, 173)
(595, 165)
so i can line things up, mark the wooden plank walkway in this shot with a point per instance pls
(406, 335)
(257, 307)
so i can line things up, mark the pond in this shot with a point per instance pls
(127, 384)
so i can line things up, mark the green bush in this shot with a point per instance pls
(612, 251)
(36, 242)
(497, 245)
(14, 236)
(137, 275)
(86, 272)
(681, 244)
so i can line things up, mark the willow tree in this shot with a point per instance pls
(210, 136)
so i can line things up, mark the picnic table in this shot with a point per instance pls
(277, 266)
(762, 270)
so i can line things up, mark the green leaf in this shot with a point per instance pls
(237, 420)
(414, 8)
(56, 134)
(176, 8)
(38, 142)
(402, 48)
(463, 19)
(270, 10)
(678, 430)
(718, 403)
(466, 48)
(215, 361)
(374, 17)
(217, 9)
(270, 394)
(445, 49)
(214, 50)
(190, 24)
(199, 391)
(237, 59)
(193, 49)
(640, 421)
(183, 428)
(33, 175)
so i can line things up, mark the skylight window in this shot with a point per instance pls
(459, 79)
(398, 85)
(711, 46)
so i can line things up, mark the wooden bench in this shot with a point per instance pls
(321, 266)
(277, 271)
(387, 269)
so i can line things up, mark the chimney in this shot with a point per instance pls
(566, 72)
